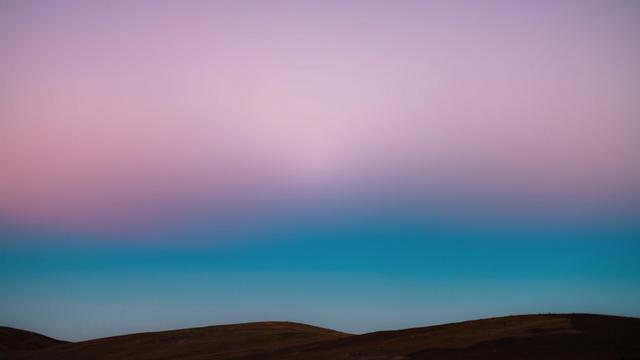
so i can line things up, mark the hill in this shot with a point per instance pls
(211, 342)
(557, 336)
(16, 340)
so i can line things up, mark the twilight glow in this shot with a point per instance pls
(302, 147)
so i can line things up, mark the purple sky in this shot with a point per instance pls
(125, 114)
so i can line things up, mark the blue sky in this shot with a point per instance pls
(350, 277)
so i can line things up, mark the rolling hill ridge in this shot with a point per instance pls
(550, 336)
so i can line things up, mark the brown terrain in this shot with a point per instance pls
(15, 340)
(557, 336)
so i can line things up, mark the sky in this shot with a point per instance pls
(359, 165)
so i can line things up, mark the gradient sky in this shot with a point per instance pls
(360, 165)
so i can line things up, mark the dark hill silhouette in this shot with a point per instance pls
(16, 340)
(211, 342)
(552, 336)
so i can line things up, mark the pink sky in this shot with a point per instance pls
(115, 114)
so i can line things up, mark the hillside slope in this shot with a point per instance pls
(212, 342)
(557, 336)
(16, 340)
(575, 336)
